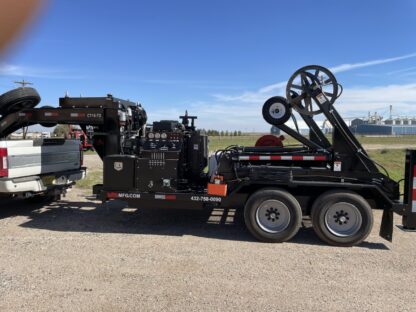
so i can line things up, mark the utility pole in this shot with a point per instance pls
(23, 83)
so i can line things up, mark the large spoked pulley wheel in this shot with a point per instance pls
(276, 110)
(18, 99)
(314, 85)
(342, 218)
(272, 215)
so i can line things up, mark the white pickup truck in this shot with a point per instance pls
(39, 168)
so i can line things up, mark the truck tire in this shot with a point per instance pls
(342, 218)
(272, 215)
(18, 99)
(276, 111)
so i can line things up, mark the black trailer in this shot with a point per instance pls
(331, 181)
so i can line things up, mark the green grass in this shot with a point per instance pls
(89, 152)
(390, 140)
(93, 177)
(392, 160)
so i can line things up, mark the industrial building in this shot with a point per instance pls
(375, 125)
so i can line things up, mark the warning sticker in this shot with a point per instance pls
(337, 166)
(321, 98)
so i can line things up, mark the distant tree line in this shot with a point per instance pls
(61, 131)
(222, 132)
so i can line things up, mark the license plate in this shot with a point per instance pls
(48, 180)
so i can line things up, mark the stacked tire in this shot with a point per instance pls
(18, 99)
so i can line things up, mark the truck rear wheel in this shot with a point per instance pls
(342, 218)
(272, 215)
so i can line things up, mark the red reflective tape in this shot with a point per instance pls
(51, 114)
(320, 158)
(284, 157)
(25, 114)
(77, 115)
(112, 195)
(170, 197)
(414, 194)
(414, 171)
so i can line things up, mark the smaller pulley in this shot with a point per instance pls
(313, 85)
(276, 110)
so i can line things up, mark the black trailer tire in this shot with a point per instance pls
(276, 110)
(342, 218)
(18, 99)
(272, 215)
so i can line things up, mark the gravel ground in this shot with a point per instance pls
(76, 255)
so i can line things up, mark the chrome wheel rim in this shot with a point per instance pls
(343, 219)
(273, 216)
(277, 110)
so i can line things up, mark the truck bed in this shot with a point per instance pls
(37, 166)
(41, 156)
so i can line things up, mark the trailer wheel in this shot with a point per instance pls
(276, 111)
(18, 99)
(342, 218)
(272, 215)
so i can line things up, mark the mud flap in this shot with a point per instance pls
(386, 229)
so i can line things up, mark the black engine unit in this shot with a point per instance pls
(171, 157)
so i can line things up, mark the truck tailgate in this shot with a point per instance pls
(41, 156)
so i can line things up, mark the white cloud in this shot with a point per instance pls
(347, 67)
(34, 72)
(400, 71)
(10, 70)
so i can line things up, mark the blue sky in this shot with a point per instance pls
(219, 59)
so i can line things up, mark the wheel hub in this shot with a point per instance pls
(277, 110)
(273, 216)
(343, 219)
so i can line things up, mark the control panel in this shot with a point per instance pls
(163, 141)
